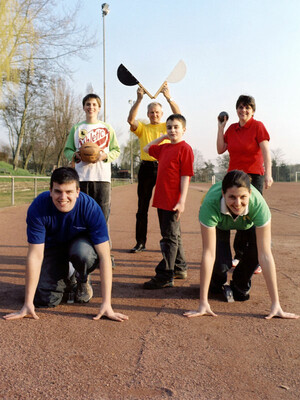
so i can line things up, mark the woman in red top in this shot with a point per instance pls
(248, 145)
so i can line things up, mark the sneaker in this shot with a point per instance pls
(235, 262)
(138, 248)
(228, 294)
(258, 270)
(180, 274)
(155, 283)
(84, 291)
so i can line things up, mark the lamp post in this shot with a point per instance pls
(105, 11)
(131, 102)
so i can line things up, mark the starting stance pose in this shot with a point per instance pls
(65, 225)
(247, 142)
(235, 204)
(148, 167)
(175, 168)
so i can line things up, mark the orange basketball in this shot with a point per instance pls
(89, 152)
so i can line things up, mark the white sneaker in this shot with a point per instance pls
(258, 270)
(235, 262)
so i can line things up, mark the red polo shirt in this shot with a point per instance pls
(243, 146)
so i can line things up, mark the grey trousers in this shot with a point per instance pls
(54, 279)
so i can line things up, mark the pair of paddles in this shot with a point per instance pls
(128, 79)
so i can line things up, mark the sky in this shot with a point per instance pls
(230, 47)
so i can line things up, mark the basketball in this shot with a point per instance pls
(89, 152)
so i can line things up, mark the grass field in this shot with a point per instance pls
(24, 191)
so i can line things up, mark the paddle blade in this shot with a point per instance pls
(125, 76)
(178, 72)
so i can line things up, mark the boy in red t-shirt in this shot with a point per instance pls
(175, 167)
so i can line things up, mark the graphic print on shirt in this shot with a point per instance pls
(99, 135)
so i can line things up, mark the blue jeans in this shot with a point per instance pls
(241, 276)
(55, 268)
(146, 182)
(171, 246)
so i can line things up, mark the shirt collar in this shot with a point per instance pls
(225, 210)
(247, 124)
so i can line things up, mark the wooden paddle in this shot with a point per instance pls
(128, 79)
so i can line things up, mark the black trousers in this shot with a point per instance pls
(241, 276)
(54, 280)
(171, 246)
(241, 237)
(146, 182)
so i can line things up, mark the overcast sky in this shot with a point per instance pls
(230, 47)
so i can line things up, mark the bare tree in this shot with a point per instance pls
(33, 30)
(19, 110)
(64, 111)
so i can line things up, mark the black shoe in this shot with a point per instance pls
(137, 248)
(228, 294)
(84, 291)
(237, 294)
(155, 283)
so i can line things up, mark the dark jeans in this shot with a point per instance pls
(241, 237)
(55, 268)
(146, 182)
(100, 192)
(241, 277)
(171, 246)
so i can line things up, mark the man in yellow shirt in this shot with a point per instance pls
(148, 167)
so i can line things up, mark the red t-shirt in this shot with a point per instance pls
(175, 161)
(243, 146)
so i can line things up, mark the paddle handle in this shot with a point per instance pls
(159, 90)
(146, 91)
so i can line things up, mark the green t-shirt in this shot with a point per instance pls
(210, 213)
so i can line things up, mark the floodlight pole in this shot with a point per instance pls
(105, 11)
(131, 102)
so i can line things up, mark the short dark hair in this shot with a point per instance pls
(180, 118)
(91, 96)
(236, 178)
(246, 101)
(64, 175)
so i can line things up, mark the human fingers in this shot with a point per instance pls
(19, 315)
(282, 314)
(192, 314)
(118, 317)
(98, 316)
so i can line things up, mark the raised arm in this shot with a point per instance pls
(35, 256)
(174, 107)
(106, 310)
(207, 263)
(266, 260)
(221, 145)
(155, 141)
(134, 110)
(264, 145)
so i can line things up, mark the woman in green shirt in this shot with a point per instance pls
(235, 204)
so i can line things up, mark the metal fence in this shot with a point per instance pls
(14, 179)
(32, 186)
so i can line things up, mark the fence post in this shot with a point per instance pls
(35, 187)
(12, 190)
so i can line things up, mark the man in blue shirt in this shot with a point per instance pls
(65, 225)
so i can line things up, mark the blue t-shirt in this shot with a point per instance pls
(46, 224)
